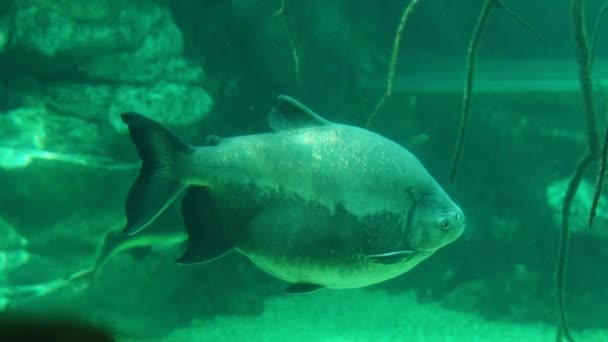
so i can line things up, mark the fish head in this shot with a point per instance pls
(434, 221)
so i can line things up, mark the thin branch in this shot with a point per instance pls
(407, 11)
(468, 85)
(584, 71)
(599, 182)
(584, 56)
(295, 52)
(596, 30)
(591, 154)
(470, 70)
(521, 20)
(562, 256)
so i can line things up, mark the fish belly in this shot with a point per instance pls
(306, 243)
(345, 276)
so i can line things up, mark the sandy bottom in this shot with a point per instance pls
(355, 315)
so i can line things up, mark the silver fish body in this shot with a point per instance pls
(314, 202)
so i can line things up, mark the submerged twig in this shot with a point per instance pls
(488, 5)
(591, 154)
(562, 256)
(407, 11)
(584, 71)
(295, 52)
(521, 20)
(599, 182)
(596, 30)
(468, 85)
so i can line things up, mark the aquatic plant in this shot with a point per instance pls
(599, 184)
(591, 154)
(295, 52)
(596, 30)
(26, 292)
(487, 8)
(468, 87)
(407, 11)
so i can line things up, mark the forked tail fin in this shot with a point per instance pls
(158, 183)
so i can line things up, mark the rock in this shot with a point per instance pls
(92, 10)
(581, 206)
(70, 28)
(109, 57)
(4, 32)
(468, 296)
(176, 104)
(33, 133)
(74, 67)
(158, 57)
(59, 37)
(13, 259)
(134, 69)
(11, 239)
(172, 103)
(13, 253)
(509, 290)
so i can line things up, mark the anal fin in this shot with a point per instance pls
(207, 239)
(302, 288)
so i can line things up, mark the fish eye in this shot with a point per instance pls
(445, 224)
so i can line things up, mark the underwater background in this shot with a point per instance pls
(68, 68)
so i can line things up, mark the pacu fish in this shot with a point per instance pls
(315, 203)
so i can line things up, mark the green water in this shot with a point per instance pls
(69, 68)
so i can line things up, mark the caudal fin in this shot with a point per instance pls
(158, 183)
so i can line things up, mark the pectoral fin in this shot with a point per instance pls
(391, 257)
(301, 288)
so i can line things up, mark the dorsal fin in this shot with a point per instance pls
(289, 114)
